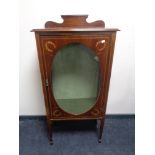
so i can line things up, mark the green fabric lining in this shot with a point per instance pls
(75, 72)
(76, 106)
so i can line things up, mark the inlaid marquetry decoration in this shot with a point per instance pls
(95, 112)
(57, 112)
(100, 45)
(50, 46)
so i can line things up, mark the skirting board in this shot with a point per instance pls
(108, 116)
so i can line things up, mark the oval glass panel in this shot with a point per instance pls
(75, 78)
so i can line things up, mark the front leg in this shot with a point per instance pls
(101, 124)
(50, 130)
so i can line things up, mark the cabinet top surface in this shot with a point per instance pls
(68, 29)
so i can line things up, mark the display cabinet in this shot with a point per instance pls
(75, 59)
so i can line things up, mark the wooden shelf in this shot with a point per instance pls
(76, 106)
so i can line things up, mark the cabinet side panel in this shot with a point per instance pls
(43, 75)
(108, 69)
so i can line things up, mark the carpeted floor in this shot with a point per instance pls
(77, 138)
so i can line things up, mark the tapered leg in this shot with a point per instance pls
(50, 126)
(101, 124)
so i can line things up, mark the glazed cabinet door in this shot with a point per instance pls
(76, 73)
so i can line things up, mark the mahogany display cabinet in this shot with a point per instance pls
(75, 59)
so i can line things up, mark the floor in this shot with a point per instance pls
(77, 138)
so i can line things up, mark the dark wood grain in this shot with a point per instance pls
(95, 36)
(74, 21)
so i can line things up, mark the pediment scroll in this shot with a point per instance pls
(75, 21)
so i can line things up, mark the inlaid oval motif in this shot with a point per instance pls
(100, 45)
(75, 78)
(50, 46)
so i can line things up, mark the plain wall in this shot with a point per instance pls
(34, 13)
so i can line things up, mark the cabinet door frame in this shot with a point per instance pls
(50, 45)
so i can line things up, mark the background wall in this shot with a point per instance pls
(117, 14)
